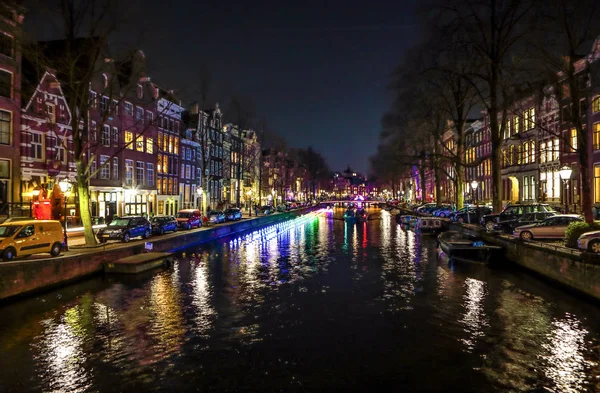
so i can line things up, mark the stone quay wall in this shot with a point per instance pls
(28, 276)
(572, 268)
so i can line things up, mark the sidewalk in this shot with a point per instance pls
(77, 240)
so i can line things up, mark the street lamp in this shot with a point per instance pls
(474, 185)
(65, 187)
(249, 203)
(565, 174)
(199, 192)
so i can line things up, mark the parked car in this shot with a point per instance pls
(425, 207)
(513, 212)
(26, 237)
(216, 217)
(443, 211)
(233, 214)
(124, 228)
(189, 218)
(551, 228)
(509, 226)
(589, 241)
(472, 214)
(162, 224)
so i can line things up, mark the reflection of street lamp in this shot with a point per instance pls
(65, 187)
(565, 174)
(474, 185)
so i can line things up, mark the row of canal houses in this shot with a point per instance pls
(538, 141)
(145, 153)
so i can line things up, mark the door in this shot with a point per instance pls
(27, 241)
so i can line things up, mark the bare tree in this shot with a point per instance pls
(563, 50)
(495, 32)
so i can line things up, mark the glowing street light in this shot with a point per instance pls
(565, 174)
(474, 185)
(65, 187)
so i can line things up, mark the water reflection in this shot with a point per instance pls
(201, 296)
(60, 355)
(245, 306)
(166, 319)
(474, 318)
(566, 365)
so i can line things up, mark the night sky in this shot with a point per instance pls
(317, 70)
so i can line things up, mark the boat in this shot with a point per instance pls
(428, 225)
(403, 218)
(462, 247)
(350, 215)
(361, 215)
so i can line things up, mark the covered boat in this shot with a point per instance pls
(462, 247)
(361, 215)
(428, 225)
(350, 215)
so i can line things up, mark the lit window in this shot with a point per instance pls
(129, 140)
(139, 143)
(573, 139)
(596, 104)
(150, 145)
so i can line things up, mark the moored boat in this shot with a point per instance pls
(428, 225)
(350, 215)
(462, 247)
(361, 215)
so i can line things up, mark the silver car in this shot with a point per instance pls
(589, 241)
(551, 228)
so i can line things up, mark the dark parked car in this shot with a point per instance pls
(513, 212)
(216, 217)
(508, 226)
(471, 214)
(266, 209)
(233, 214)
(124, 228)
(164, 224)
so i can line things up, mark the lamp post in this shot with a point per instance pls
(565, 174)
(249, 203)
(199, 192)
(65, 187)
(474, 185)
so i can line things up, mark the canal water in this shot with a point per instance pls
(313, 305)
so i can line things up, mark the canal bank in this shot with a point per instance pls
(574, 269)
(29, 276)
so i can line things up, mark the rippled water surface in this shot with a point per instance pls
(313, 305)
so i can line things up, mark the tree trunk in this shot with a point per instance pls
(460, 195)
(84, 204)
(586, 180)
